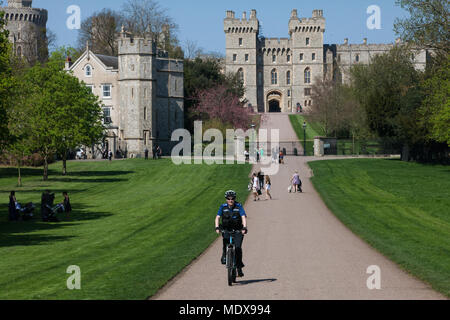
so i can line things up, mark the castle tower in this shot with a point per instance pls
(308, 54)
(27, 30)
(137, 91)
(241, 50)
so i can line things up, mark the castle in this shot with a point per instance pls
(27, 30)
(141, 91)
(278, 73)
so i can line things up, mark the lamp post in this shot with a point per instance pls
(304, 138)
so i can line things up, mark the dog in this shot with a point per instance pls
(290, 189)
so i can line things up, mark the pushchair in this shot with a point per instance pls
(26, 211)
(52, 211)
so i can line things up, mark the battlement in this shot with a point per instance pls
(131, 45)
(243, 25)
(26, 14)
(314, 24)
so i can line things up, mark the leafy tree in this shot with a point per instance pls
(63, 113)
(389, 93)
(5, 79)
(435, 109)
(219, 103)
(427, 25)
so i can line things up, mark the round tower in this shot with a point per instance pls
(27, 29)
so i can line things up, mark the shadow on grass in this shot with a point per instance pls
(14, 233)
(70, 180)
(96, 173)
(12, 172)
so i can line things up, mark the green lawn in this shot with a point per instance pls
(135, 225)
(401, 209)
(312, 130)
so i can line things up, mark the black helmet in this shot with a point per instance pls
(230, 193)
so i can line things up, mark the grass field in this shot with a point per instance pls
(312, 131)
(401, 209)
(135, 225)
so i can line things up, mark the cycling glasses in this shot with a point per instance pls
(231, 199)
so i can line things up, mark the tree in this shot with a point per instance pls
(220, 103)
(5, 79)
(389, 93)
(144, 17)
(192, 50)
(435, 110)
(100, 31)
(63, 113)
(427, 26)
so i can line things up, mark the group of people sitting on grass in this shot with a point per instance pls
(18, 211)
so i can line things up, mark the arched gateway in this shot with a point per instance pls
(273, 101)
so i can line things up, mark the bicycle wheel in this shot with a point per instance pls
(230, 265)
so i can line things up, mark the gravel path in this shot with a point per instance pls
(295, 249)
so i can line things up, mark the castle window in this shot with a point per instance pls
(357, 58)
(274, 76)
(145, 113)
(19, 51)
(246, 57)
(240, 41)
(274, 58)
(301, 56)
(289, 93)
(288, 58)
(307, 75)
(307, 92)
(313, 56)
(90, 87)
(106, 91)
(288, 78)
(88, 71)
(307, 41)
(241, 75)
(234, 57)
(106, 115)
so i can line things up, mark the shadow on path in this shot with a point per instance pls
(245, 282)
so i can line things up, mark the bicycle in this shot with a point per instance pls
(231, 257)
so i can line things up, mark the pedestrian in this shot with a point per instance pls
(268, 186)
(146, 154)
(110, 154)
(154, 148)
(296, 182)
(255, 185)
(261, 179)
(66, 203)
(159, 152)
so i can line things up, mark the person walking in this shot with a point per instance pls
(255, 188)
(268, 186)
(296, 182)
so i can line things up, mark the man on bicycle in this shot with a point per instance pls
(233, 218)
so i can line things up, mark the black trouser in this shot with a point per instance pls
(237, 240)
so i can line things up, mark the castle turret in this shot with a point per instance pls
(241, 50)
(27, 30)
(137, 87)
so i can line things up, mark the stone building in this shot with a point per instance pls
(27, 30)
(278, 73)
(142, 94)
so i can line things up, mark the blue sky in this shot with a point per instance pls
(202, 20)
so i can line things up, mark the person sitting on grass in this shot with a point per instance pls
(13, 214)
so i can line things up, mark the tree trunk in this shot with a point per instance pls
(405, 152)
(19, 179)
(64, 171)
(45, 178)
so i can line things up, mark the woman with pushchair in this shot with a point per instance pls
(13, 214)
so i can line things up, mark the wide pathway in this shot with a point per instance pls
(295, 249)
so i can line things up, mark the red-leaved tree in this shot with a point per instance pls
(218, 103)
